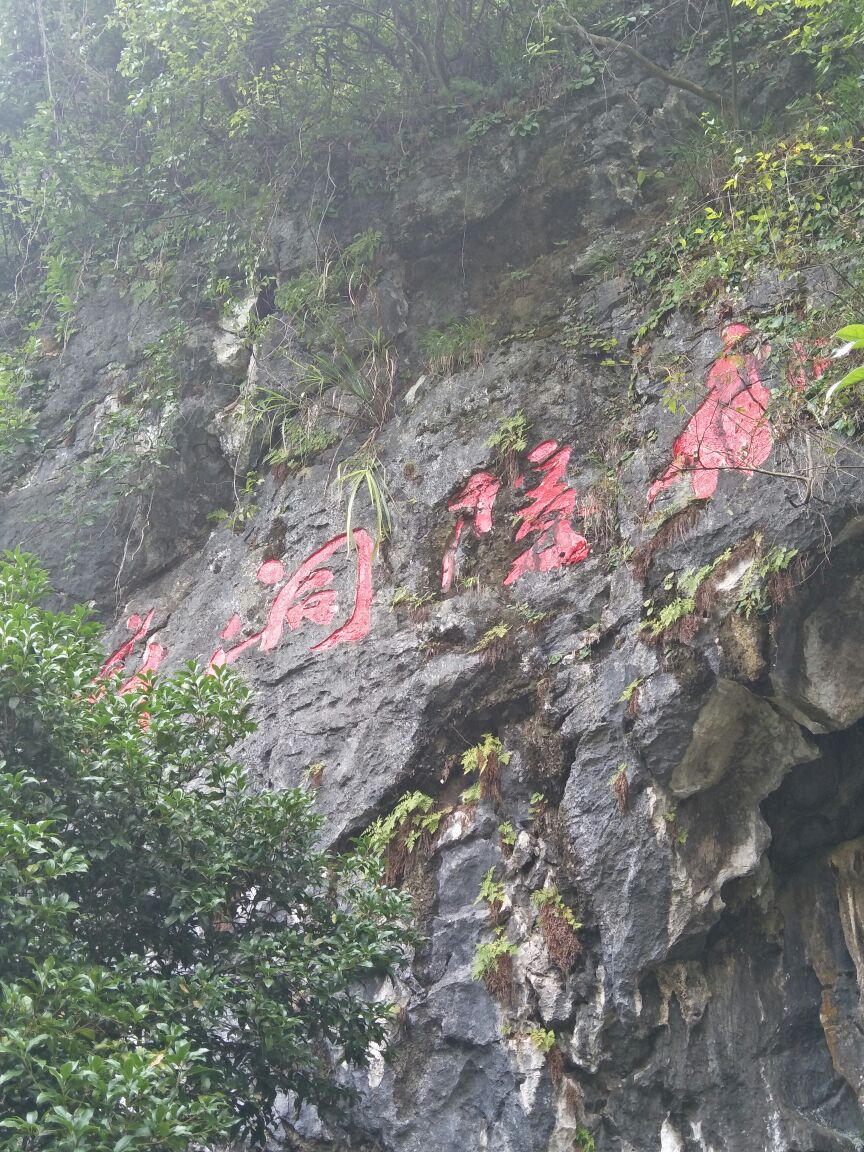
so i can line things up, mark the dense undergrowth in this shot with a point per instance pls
(152, 146)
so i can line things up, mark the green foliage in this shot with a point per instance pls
(313, 298)
(685, 585)
(486, 759)
(491, 890)
(314, 773)
(507, 833)
(633, 687)
(486, 756)
(457, 345)
(531, 616)
(416, 815)
(492, 637)
(472, 794)
(135, 434)
(334, 382)
(853, 341)
(755, 595)
(296, 438)
(511, 436)
(152, 144)
(411, 600)
(586, 338)
(536, 805)
(671, 819)
(549, 897)
(527, 125)
(483, 124)
(829, 32)
(543, 1039)
(17, 418)
(175, 949)
(488, 955)
(583, 1141)
(365, 471)
(244, 508)
(799, 198)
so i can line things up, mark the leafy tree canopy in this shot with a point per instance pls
(132, 130)
(175, 949)
(154, 142)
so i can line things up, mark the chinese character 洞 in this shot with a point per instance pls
(306, 596)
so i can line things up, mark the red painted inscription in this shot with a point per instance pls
(729, 430)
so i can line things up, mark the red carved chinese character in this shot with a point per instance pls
(154, 654)
(547, 515)
(306, 597)
(232, 628)
(119, 656)
(729, 429)
(476, 500)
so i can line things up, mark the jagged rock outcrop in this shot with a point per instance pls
(719, 884)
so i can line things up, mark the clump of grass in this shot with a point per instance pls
(416, 604)
(365, 471)
(459, 344)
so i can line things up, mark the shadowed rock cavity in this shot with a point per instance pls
(755, 1036)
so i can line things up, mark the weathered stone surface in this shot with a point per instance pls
(823, 684)
(697, 800)
(737, 731)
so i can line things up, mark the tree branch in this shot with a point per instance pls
(674, 79)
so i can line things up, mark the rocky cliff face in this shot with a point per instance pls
(659, 614)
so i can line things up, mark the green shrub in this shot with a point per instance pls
(491, 890)
(559, 926)
(685, 585)
(17, 419)
(507, 834)
(175, 949)
(761, 587)
(543, 1039)
(511, 436)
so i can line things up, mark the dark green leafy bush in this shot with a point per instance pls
(174, 948)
